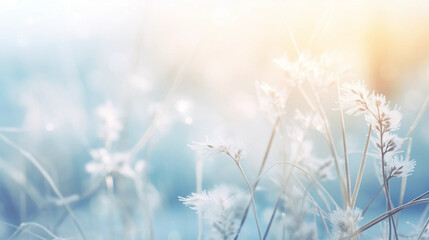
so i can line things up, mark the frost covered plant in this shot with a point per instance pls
(356, 99)
(295, 207)
(398, 167)
(321, 71)
(271, 100)
(106, 163)
(213, 147)
(310, 120)
(345, 222)
(221, 209)
(235, 152)
(111, 125)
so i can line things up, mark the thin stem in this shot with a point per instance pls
(176, 81)
(404, 178)
(22, 228)
(252, 197)
(362, 167)
(139, 185)
(423, 230)
(346, 162)
(388, 214)
(372, 199)
(261, 168)
(199, 180)
(331, 143)
(272, 216)
(306, 173)
(419, 116)
(48, 179)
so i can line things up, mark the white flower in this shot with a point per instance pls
(111, 127)
(221, 208)
(105, 163)
(398, 167)
(271, 100)
(345, 222)
(228, 147)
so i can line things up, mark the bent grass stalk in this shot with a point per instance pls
(388, 214)
(166, 102)
(328, 136)
(325, 225)
(288, 177)
(48, 178)
(309, 175)
(252, 196)
(22, 228)
(423, 230)
(261, 168)
(419, 116)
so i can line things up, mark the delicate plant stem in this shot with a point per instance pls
(423, 230)
(404, 179)
(346, 163)
(199, 180)
(361, 169)
(279, 199)
(306, 173)
(388, 214)
(419, 116)
(178, 78)
(25, 225)
(386, 188)
(139, 185)
(252, 197)
(261, 168)
(372, 199)
(48, 178)
(331, 143)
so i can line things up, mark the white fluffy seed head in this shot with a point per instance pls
(398, 167)
(111, 125)
(229, 147)
(272, 101)
(345, 222)
(221, 209)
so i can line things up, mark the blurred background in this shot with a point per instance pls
(192, 64)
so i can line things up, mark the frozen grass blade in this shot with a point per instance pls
(389, 214)
(362, 167)
(261, 168)
(331, 144)
(23, 226)
(423, 230)
(419, 116)
(404, 179)
(199, 180)
(307, 174)
(178, 78)
(23, 230)
(251, 195)
(346, 163)
(48, 179)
